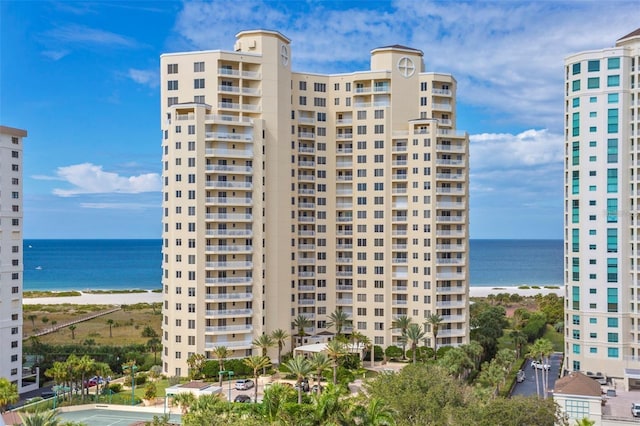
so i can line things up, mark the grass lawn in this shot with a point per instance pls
(127, 327)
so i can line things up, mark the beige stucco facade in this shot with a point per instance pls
(11, 253)
(602, 191)
(289, 193)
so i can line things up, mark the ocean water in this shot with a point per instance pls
(136, 264)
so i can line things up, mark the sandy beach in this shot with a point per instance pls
(150, 297)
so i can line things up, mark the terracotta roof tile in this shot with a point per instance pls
(631, 34)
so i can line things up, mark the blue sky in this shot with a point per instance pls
(82, 78)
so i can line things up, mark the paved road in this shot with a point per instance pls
(528, 387)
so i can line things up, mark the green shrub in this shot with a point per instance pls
(150, 391)
(115, 387)
(393, 352)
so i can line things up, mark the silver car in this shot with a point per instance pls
(244, 384)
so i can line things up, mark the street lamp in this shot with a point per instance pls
(230, 374)
(133, 367)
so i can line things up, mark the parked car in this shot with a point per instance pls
(521, 376)
(539, 365)
(314, 389)
(90, 383)
(47, 394)
(242, 398)
(635, 409)
(244, 384)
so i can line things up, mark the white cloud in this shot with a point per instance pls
(87, 178)
(529, 148)
(87, 36)
(56, 54)
(146, 77)
(119, 206)
(507, 56)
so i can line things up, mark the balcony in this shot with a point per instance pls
(229, 329)
(306, 206)
(398, 232)
(399, 163)
(451, 290)
(344, 232)
(344, 273)
(306, 233)
(306, 247)
(398, 260)
(450, 176)
(303, 288)
(344, 151)
(344, 246)
(344, 121)
(306, 178)
(344, 218)
(229, 280)
(447, 162)
(344, 287)
(452, 333)
(229, 313)
(228, 119)
(441, 92)
(344, 136)
(451, 191)
(399, 247)
(229, 232)
(344, 206)
(306, 219)
(306, 274)
(306, 191)
(399, 288)
(399, 176)
(236, 217)
(228, 169)
(454, 233)
(347, 164)
(450, 205)
(235, 345)
(238, 137)
(229, 265)
(228, 184)
(306, 163)
(450, 247)
(344, 178)
(344, 259)
(399, 302)
(344, 301)
(450, 303)
(399, 148)
(229, 201)
(238, 73)
(228, 249)
(223, 297)
(398, 218)
(306, 135)
(306, 120)
(450, 261)
(306, 301)
(450, 148)
(450, 276)
(453, 318)
(451, 219)
(441, 107)
(307, 149)
(306, 261)
(231, 153)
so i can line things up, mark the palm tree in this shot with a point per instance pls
(519, 339)
(102, 369)
(402, 322)
(184, 401)
(280, 336)
(72, 328)
(434, 320)
(84, 366)
(338, 319)
(195, 362)
(585, 422)
(456, 362)
(32, 318)
(256, 363)
(221, 353)
(331, 408)
(545, 348)
(154, 345)
(414, 335)
(300, 322)
(264, 342)
(45, 418)
(475, 351)
(320, 363)
(535, 353)
(369, 347)
(8, 393)
(300, 367)
(375, 413)
(110, 322)
(356, 339)
(336, 350)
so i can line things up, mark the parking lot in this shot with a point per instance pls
(528, 387)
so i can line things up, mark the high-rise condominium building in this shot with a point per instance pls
(602, 195)
(291, 195)
(11, 254)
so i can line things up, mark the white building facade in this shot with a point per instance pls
(11, 266)
(291, 194)
(601, 221)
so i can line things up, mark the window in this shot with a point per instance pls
(612, 120)
(302, 100)
(576, 102)
(172, 101)
(612, 98)
(172, 85)
(320, 102)
(612, 150)
(172, 68)
(612, 352)
(362, 130)
(612, 180)
(575, 68)
(198, 67)
(302, 85)
(199, 99)
(423, 86)
(613, 81)
(378, 129)
(613, 63)
(612, 322)
(593, 66)
(575, 85)
(378, 114)
(593, 83)
(612, 298)
(198, 83)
